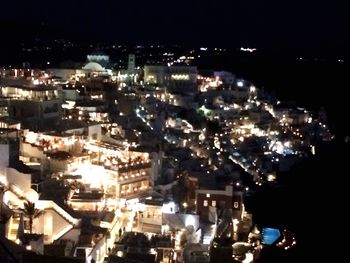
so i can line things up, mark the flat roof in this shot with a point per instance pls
(8, 120)
(34, 88)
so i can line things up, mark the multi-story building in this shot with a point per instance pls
(135, 179)
(34, 106)
(207, 199)
(176, 78)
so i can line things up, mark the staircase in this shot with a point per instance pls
(47, 204)
(208, 233)
(13, 227)
(207, 238)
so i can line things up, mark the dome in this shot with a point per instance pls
(93, 66)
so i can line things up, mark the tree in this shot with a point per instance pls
(31, 212)
(75, 185)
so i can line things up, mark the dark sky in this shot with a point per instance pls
(298, 23)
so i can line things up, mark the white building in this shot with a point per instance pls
(53, 223)
(34, 106)
(175, 78)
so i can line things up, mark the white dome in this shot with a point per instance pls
(93, 66)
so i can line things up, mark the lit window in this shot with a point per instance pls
(205, 203)
(235, 204)
(213, 203)
(180, 77)
(208, 195)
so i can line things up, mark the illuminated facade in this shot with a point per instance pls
(135, 180)
(174, 78)
(219, 199)
(98, 57)
(134, 171)
(33, 106)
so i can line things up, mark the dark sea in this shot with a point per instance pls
(310, 200)
(312, 82)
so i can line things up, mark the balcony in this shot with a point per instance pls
(127, 178)
(135, 194)
(124, 168)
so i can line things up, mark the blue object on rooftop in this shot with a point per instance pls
(270, 235)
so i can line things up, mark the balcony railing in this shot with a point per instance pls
(135, 194)
(126, 178)
(123, 168)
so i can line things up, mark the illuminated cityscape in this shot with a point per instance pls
(105, 153)
(162, 153)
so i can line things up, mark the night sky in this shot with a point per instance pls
(294, 24)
